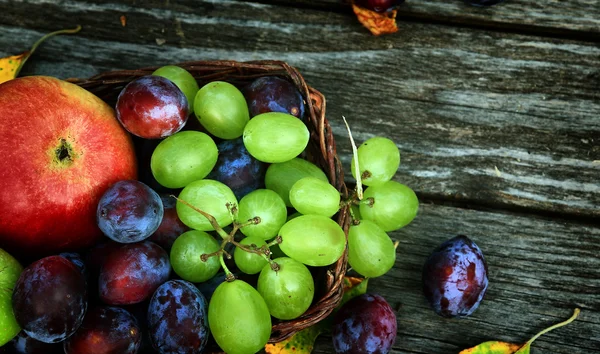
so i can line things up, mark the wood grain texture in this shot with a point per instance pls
(579, 18)
(539, 271)
(460, 103)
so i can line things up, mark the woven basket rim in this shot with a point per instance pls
(107, 85)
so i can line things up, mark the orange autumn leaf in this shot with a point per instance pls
(10, 66)
(377, 23)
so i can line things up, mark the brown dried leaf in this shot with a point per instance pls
(377, 23)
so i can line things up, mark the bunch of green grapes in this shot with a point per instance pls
(287, 214)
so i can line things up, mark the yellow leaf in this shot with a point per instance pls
(10, 66)
(300, 343)
(377, 23)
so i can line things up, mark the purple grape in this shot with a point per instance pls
(132, 272)
(129, 211)
(24, 344)
(273, 94)
(50, 299)
(177, 318)
(105, 330)
(455, 278)
(364, 325)
(171, 226)
(237, 168)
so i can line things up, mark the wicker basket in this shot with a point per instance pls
(321, 150)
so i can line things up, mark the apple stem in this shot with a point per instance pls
(564, 323)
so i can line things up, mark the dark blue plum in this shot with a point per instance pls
(24, 344)
(237, 169)
(129, 211)
(483, 2)
(273, 94)
(455, 278)
(105, 330)
(50, 299)
(77, 260)
(364, 325)
(380, 5)
(177, 318)
(132, 272)
(171, 226)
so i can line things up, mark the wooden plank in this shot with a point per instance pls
(460, 103)
(576, 18)
(539, 271)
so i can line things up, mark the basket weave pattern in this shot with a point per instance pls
(321, 150)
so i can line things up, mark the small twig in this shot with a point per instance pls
(277, 240)
(211, 219)
(359, 189)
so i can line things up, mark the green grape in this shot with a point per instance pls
(275, 137)
(182, 158)
(314, 240)
(239, 318)
(247, 262)
(211, 197)
(311, 195)
(186, 252)
(378, 160)
(221, 108)
(371, 252)
(183, 79)
(269, 207)
(289, 291)
(395, 205)
(280, 177)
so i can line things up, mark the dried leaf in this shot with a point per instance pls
(493, 347)
(377, 23)
(300, 343)
(304, 341)
(123, 20)
(11, 66)
(353, 287)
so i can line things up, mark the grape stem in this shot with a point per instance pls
(359, 189)
(264, 251)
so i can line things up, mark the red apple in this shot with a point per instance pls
(62, 147)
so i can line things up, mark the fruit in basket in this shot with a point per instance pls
(275, 137)
(50, 299)
(129, 211)
(59, 173)
(131, 273)
(105, 330)
(455, 277)
(183, 158)
(177, 318)
(314, 240)
(170, 227)
(239, 318)
(365, 324)
(221, 109)
(9, 274)
(186, 256)
(212, 197)
(152, 107)
(268, 207)
(391, 205)
(183, 79)
(273, 94)
(280, 177)
(371, 252)
(237, 169)
(378, 159)
(289, 291)
(24, 344)
(310, 195)
(248, 262)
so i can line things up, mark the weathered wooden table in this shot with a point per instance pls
(496, 112)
